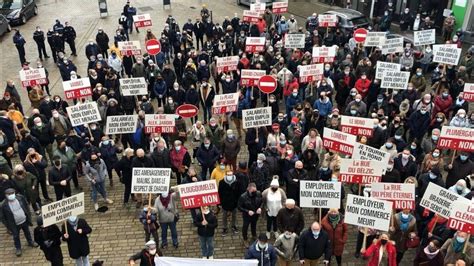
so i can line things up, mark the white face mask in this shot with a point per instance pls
(152, 251)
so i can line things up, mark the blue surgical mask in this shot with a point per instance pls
(295, 94)
(222, 167)
(463, 157)
(434, 137)
(433, 176)
(177, 148)
(353, 112)
(207, 145)
(315, 233)
(405, 216)
(397, 137)
(145, 209)
(388, 145)
(106, 142)
(459, 188)
(435, 154)
(72, 219)
(460, 239)
(11, 197)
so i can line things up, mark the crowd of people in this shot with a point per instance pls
(40, 148)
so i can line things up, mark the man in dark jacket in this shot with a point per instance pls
(15, 215)
(70, 37)
(405, 163)
(378, 137)
(28, 141)
(206, 224)
(5, 183)
(229, 193)
(102, 40)
(207, 155)
(49, 240)
(60, 177)
(290, 217)
(147, 255)
(418, 123)
(313, 244)
(432, 176)
(391, 174)
(143, 161)
(293, 181)
(262, 251)
(77, 239)
(260, 173)
(161, 156)
(38, 36)
(250, 204)
(459, 169)
(124, 171)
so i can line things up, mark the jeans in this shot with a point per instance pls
(164, 233)
(83, 261)
(98, 187)
(271, 222)
(252, 221)
(224, 218)
(16, 234)
(207, 245)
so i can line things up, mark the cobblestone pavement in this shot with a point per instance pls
(117, 234)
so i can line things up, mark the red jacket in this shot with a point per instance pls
(290, 86)
(374, 251)
(261, 25)
(362, 86)
(442, 105)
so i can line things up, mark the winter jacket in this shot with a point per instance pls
(424, 180)
(293, 183)
(124, 169)
(109, 154)
(248, 203)
(208, 229)
(287, 248)
(24, 186)
(266, 257)
(260, 176)
(96, 171)
(338, 235)
(6, 215)
(167, 214)
(207, 157)
(229, 194)
(78, 244)
(314, 248)
(43, 134)
(400, 237)
(374, 252)
(49, 241)
(68, 157)
(230, 148)
(421, 258)
(290, 219)
(407, 170)
(459, 170)
(451, 256)
(145, 258)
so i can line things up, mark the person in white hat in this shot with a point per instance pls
(274, 198)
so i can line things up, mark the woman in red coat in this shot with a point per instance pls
(381, 252)
(333, 224)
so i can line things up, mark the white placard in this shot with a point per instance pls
(254, 44)
(224, 103)
(446, 12)
(368, 212)
(258, 7)
(77, 88)
(150, 180)
(32, 77)
(402, 195)
(251, 16)
(172, 261)
(462, 216)
(358, 126)
(257, 117)
(85, 113)
(424, 37)
(130, 48)
(397, 80)
(133, 86)
(327, 20)
(338, 141)
(320, 194)
(382, 67)
(121, 124)
(250, 77)
(360, 171)
(375, 38)
(446, 54)
(365, 152)
(142, 20)
(60, 210)
(468, 92)
(394, 45)
(456, 138)
(280, 7)
(439, 200)
(294, 40)
(160, 123)
(323, 54)
(312, 72)
(225, 64)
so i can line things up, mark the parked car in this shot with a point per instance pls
(350, 19)
(268, 3)
(18, 11)
(4, 25)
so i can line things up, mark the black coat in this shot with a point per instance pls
(146, 162)
(78, 244)
(161, 159)
(6, 215)
(52, 250)
(38, 169)
(56, 175)
(145, 258)
(293, 187)
(209, 229)
(207, 157)
(247, 203)
(290, 219)
(311, 248)
(409, 169)
(229, 194)
(124, 169)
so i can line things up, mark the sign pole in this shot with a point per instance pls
(90, 132)
(149, 203)
(320, 213)
(454, 156)
(364, 242)
(436, 221)
(360, 189)
(465, 243)
(202, 213)
(65, 227)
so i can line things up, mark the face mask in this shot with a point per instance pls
(72, 219)
(463, 157)
(423, 112)
(287, 235)
(230, 136)
(460, 239)
(93, 127)
(432, 176)
(383, 241)
(315, 233)
(164, 195)
(406, 156)
(280, 119)
(390, 167)
(380, 100)
(289, 152)
(397, 137)
(294, 94)
(177, 148)
(11, 197)
(439, 119)
(459, 188)
(363, 77)
(152, 251)
(462, 115)
(445, 95)
(222, 167)
(40, 124)
(262, 245)
(405, 216)
(353, 93)
(353, 112)
(106, 142)
(357, 100)
(435, 154)
(346, 72)
(324, 169)
(428, 50)
(413, 147)
(434, 137)
(207, 145)
(388, 145)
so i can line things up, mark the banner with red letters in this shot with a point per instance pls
(327, 20)
(250, 77)
(224, 103)
(143, 20)
(225, 64)
(32, 77)
(462, 216)
(198, 194)
(338, 141)
(160, 123)
(360, 171)
(402, 195)
(279, 7)
(77, 88)
(251, 16)
(254, 44)
(309, 73)
(357, 125)
(468, 92)
(456, 138)
(324, 54)
(130, 48)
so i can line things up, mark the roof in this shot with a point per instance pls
(345, 13)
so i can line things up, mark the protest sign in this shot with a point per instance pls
(462, 216)
(365, 152)
(447, 12)
(225, 103)
(175, 261)
(383, 67)
(446, 54)
(439, 200)
(197, 194)
(251, 16)
(368, 212)
(258, 7)
(130, 48)
(121, 124)
(397, 80)
(324, 54)
(225, 64)
(160, 123)
(250, 77)
(32, 77)
(357, 125)
(254, 44)
(424, 37)
(360, 171)
(133, 86)
(320, 194)
(394, 45)
(279, 7)
(456, 138)
(338, 141)
(60, 210)
(257, 117)
(468, 92)
(150, 180)
(402, 195)
(141, 21)
(77, 88)
(375, 39)
(294, 41)
(310, 73)
(84, 113)
(327, 20)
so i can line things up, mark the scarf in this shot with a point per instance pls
(334, 220)
(404, 222)
(457, 246)
(430, 255)
(165, 201)
(433, 224)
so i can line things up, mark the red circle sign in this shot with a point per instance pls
(267, 84)
(187, 110)
(360, 35)
(153, 47)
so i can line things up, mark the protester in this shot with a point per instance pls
(286, 246)
(262, 251)
(168, 217)
(333, 224)
(313, 245)
(206, 224)
(381, 250)
(274, 199)
(147, 255)
(75, 232)
(250, 204)
(49, 240)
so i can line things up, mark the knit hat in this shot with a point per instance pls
(261, 156)
(274, 183)
(230, 132)
(150, 245)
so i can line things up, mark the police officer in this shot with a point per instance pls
(70, 37)
(57, 42)
(49, 36)
(38, 36)
(19, 42)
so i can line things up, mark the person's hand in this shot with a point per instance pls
(391, 101)
(131, 262)
(93, 181)
(412, 235)
(34, 160)
(66, 236)
(251, 213)
(450, 166)
(259, 211)
(204, 223)
(79, 231)
(362, 250)
(295, 180)
(392, 229)
(148, 221)
(326, 262)
(194, 179)
(33, 187)
(430, 235)
(92, 139)
(301, 262)
(63, 183)
(256, 140)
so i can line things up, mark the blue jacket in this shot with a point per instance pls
(243, 103)
(291, 102)
(324, 108)
(283, 27)
(267, 257)
(160, 88)
(207, 157)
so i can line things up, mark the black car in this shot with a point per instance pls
(4, 26)
(350, 19)
(18, 11)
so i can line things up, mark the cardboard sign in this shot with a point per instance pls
(365, 152)
(160, 123)
(323, 54)
(320, 194)
(338, 141)
(143, 20)
(257, 117)
(225, 103)
(310, 73)
(294, 41)
(360, 171)
(77, 88)
(32, 77)
(446, 54)
(121, 124)
(279, 7)
(402, 195)
(456, 138)
(424, 37)
(439, 200)
(258, 7)
(250, 77)
(60, 210)
(225, 64)
(468, 92)
(397, 80)
(462, 216)
(150, 180)
(85, 113)
(383, 67)
(375, 39)
(251, 16)
(368, 212)
(357, 125)
(254, 44)
(133, 86)
(327, 20)
(394, 45)
(197, 194)
(130, 48)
